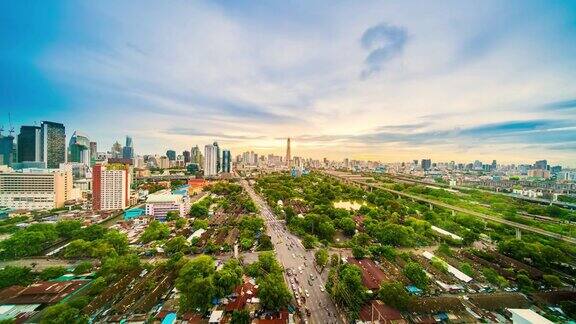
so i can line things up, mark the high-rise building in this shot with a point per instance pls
(426, 164)
(226, 161)
(117, 150)
(29, 144)
(111, 186)
(541, 165)
(288, 153)
(53, 144)
(79, 148)
(210, 160)
(186, 155)
(171, 154)
(35, 189)
(93, 152)
(218, 158)
(6, 150)
(494, 165)
(128, 150)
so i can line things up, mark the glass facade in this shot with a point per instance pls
(53, 144)
(29, 144)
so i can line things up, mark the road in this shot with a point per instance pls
(292, 255)
(350, 179)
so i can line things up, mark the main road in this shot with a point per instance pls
(304, 280)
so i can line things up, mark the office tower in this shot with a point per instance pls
(210, 160)
(6, 150)
(542, 165)
(196, 156)
(171, 154)
(128, 150)
(218, 158)
(288, 154)
(111, 186)
(426, 164)
(79, 148)
(35, 190)
(116, 150)
(53, 144)
(494, 165)
(29, 144)
(226, 161)
(93, 151)
(187, 157)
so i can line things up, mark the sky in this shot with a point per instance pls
(378, 80)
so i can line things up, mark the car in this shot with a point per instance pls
(321, 288)
(311, 276)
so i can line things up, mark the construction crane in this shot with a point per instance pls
(11, 130)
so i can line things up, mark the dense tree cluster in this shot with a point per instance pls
(272, 289)
(345, 286)
(155, 231)
(199, 282)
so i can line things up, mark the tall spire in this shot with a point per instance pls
(288, 156)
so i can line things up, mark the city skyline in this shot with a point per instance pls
(392, 84)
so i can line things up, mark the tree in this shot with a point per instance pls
(265, 243)
(228, 277)
(273, 292)
(345, 286)
(199, 223)
(198, 210)
(119, 241)
(494, 278)
(119, 265)
(359, 252)
(552, 281)
(97, 286)
(240, 317)
(82, 268)
(13, 275)
(466, 268)
(68, 228)
(444, 249)
(195, 282)
(334, 260)
(91, 233)
(180, 222)
(348, 226)
(52, 272)
(308, 241)
(62, 313)
(524, 283)
(415, 273)
(321, 257)
(393, 294)
(155, 231)
(172, 215)
(77, 249)
(176, 244)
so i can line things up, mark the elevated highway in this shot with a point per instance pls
(362, 182)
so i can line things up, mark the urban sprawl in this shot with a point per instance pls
(93, 235)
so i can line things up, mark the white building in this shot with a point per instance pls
(210, 160)
(111, 186)
(160, 203)
(527, 316)
(35, 189)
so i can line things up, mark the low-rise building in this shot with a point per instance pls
(162, 202)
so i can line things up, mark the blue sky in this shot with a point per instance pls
(388, 80)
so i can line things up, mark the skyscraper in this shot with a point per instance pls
(226, 161)
(186, 155)
(218, 157)
(171, 154)
(128, 150)
(53, 144)
(116, 150)
(210, 160)
(79, 148)
(6, 149)
(542, 165)
(196, 156)
(288, 154)
(93, 151)
(426, 164)
(29, 144)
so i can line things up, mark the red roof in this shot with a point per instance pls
(281, 318)
(378, 311)
(372, 274)
(43, 292)
(243, 292)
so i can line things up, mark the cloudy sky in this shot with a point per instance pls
(387, 80)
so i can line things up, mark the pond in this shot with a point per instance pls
(349, 205)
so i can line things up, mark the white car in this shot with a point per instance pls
(321, 288)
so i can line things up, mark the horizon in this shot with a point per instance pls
(364, 81)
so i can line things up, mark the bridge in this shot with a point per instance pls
(361, 181)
